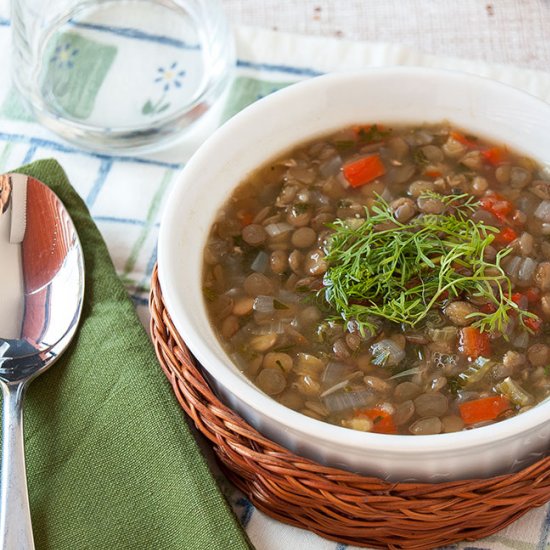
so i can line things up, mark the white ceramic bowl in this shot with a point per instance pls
(267, 129)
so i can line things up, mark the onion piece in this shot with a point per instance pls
(288, 297)
(386, 353)
(511, 267)
(275, 327)
(260, 262)
(263, 304)
(543, 211)
(336, 387)
(342, 401)
(521, 341)
(526, 271)
(334, 372)
(274, 229)
(445, 334)
(331, 167)
(423, 137)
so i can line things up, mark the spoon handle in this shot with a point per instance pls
(15, 515)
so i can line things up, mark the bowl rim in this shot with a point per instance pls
(226, 373)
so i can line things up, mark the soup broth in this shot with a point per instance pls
(389, 280)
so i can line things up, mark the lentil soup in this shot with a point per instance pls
(390, 280)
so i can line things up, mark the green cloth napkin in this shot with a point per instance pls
(111, 462)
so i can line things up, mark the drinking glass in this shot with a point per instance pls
(120, 75)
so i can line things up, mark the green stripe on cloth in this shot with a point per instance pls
(144, 233)
(111, 460)
(4, 155)
(246, 90)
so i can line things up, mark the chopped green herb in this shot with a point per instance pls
(402, 272)
(302, 289)
(514, 392)
(476, 371)
(420, 159)
(239, 241)
(371, 134)
(301, 208)
(279, 305)
(453, 384)
(209, 294)
(344, 145)
(284, 349)
(380, 358)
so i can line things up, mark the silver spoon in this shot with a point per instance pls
(41, 294)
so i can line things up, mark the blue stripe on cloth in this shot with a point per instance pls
(248, 510)
(103, 172)
(298, 71)
(151, 264)
(136, 34)
(146, 279)
(30, 154)
(139, 35)
(124, 221)
(139, 300)
(544, 532)
(64, 148)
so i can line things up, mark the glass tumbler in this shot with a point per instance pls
(120, 75)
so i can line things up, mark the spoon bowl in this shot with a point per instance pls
(44, 274)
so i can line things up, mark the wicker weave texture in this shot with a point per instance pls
(339, 505)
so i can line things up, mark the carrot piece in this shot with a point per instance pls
(487, 308)
(364, 170)
(533, 295)
(474, 343)
(497, 206)
(506, 236)
(433, 173)
(382, 421)
(484, 409)
(461, 138)
(533, 324)
(494, 155)
(245, 217)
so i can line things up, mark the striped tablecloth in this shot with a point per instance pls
(125, 194)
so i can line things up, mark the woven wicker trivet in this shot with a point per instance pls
(335, 504)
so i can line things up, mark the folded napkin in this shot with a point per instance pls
(111, 462)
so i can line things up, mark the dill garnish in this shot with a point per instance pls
(397, 271)
(371, 134)
(420, 158)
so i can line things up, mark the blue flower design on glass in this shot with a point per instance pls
(64, 55)
(170, 77)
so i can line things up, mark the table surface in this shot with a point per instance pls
(504, 31)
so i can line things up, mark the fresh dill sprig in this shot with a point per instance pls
(398, 271)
